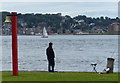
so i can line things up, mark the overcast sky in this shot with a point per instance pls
(59, 0)
(93, 9)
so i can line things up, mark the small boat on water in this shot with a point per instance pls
(44, 34)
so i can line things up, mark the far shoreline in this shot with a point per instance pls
(65, 34)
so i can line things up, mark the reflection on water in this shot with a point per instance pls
(73, 52)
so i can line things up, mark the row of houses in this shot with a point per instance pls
(113, 28)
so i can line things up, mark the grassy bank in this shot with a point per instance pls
(59, 76)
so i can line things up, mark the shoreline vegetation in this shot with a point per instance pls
(58, 76)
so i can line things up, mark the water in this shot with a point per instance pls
(73, 52)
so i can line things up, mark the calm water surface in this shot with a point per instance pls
(73, 52)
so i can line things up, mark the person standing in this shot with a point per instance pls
(50, 57)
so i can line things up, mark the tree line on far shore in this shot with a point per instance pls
(56, 21)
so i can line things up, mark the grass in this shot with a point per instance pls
(59, 76)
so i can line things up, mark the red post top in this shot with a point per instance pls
(14, 13)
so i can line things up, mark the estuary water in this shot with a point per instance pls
(72, 52)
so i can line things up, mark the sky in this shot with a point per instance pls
(59, 0)
(89, 8)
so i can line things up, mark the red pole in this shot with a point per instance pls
(14, 44)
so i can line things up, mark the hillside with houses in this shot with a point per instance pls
(33, 24)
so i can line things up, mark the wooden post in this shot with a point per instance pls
(110, 64)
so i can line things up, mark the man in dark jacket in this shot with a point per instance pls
(50, 56)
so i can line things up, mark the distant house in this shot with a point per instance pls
(114, 28)
(92, 24)
(79, 32)
(97, 29)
